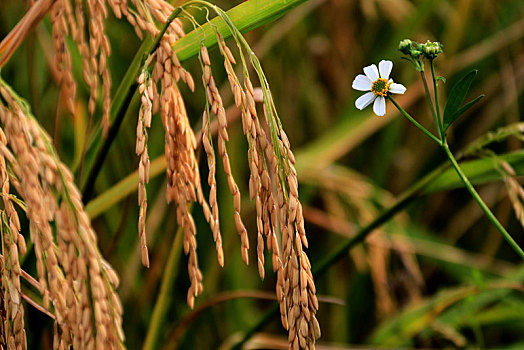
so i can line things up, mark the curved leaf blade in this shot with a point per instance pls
(466, 107)
(456, 97)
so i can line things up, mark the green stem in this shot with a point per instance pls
(165, 295)
(428, 96)
(423, 129)
(435, 92)
(463, 176)
(88, 189)
(481, 203)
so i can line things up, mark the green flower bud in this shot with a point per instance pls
(432, 49)
(405, 46)
(415, 53)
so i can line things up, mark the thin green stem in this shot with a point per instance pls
(436, 119)
(481, 203)
(463, 176)
(131, 99)
(417, 124)
(435, 92)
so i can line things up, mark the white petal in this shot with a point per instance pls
(365, 100)
(397, 88)
(371, 72)
(362, 83)
(379, 107)
(385, 68)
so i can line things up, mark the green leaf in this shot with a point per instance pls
(467, 106)
(246, 16)
(456, 97)
(441, 78)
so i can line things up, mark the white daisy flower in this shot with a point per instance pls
(378, 85)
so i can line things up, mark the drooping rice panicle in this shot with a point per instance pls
(296, 291)
(72, 274)
(216, 107)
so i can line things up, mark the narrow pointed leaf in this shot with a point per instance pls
(456, 97)
(466, 107)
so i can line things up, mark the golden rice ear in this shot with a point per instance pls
(216, 108)
(94, 51)
(183, 178)
(13, 246)
(71, 271)
(89, 17)
(273, 184)
(144, 121)
(166, 72)
(207, 141)
(63, 57)
(12, 315)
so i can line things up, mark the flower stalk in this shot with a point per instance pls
(489, 214)
(481, 203)
(436, 117)
(416, 53)
(437, 107)
(417, 124)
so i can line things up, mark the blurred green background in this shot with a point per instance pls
(438, 275)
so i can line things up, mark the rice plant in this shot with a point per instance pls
(151, 153)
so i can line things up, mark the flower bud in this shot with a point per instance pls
(415, 53)
(432, 49)
(405, 46)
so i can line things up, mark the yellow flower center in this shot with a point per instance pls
(380, 87)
